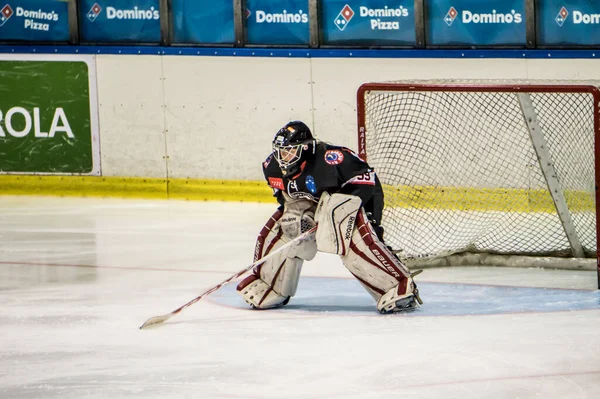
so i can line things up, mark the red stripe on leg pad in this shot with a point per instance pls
(274, 241)
(264, 233)
(402, 287)
(364, 257)
(364, 228)
(387, 261)
(272, 283)
(372, 287)
(247, 281)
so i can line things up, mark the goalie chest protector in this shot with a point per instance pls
(330, 168)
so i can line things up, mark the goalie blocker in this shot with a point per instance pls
(343, 229)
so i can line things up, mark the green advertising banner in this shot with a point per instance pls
(48, 117)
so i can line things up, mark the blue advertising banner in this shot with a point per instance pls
(203, 21)
(34, 20)
(568, 22)
(119, 21)
(368, 22)
(475, 22)
(279, 22)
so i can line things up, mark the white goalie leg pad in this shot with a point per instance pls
(377, 269)
(259, 294)
(273, 282)
(336, 217)
(262, 295)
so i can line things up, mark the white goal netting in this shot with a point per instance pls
(484, 167)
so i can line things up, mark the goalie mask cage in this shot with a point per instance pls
(485, 172)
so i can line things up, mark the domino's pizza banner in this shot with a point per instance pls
(203, 21)
(368, 22)
(568, 22)
(34, 20)
(476, 22)
(119, 21)
(277, 22)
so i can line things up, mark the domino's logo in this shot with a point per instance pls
(5, 14)
(450, 16)
(94, 12)
(562, 16)
(342, 19)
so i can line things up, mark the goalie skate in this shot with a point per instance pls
(392, 302)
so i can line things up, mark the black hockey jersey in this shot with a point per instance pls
(331, 169)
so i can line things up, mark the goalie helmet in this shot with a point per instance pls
(292, 144)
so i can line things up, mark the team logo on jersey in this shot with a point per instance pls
(334, 157)
(292, 186)
(276, 182)
(310, 184)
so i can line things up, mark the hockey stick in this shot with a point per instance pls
(302, 238)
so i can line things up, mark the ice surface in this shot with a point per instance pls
(79, 276)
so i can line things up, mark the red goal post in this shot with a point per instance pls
(486, 171)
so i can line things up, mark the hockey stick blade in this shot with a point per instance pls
(156, 320)
(302, 238)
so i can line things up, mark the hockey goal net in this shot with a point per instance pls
(485, 169)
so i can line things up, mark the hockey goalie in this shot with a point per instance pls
(317, 183)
